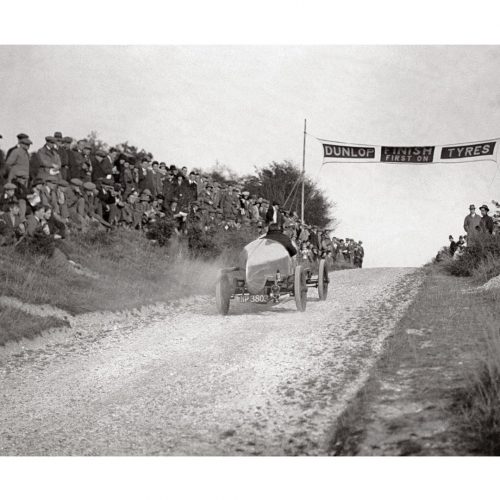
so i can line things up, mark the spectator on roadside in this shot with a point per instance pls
(453, 245)
(35, 221)
(486, 225)
(102, 166)
(11, 227)
(274, 215)
(49, 160)
(18, 162)
(471, 224)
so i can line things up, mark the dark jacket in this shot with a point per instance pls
(278, 236)
(486, 225)
(270, 216)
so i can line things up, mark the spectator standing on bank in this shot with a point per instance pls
(64, 150)
(486, 225)
(102, 167)
(471, 224)
(49, 159)
(18, 162)
(274, 215)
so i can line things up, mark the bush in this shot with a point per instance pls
(485, 248)
(226, 245)
(161, 231)
(39, 244)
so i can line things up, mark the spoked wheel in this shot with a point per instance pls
(323, 280)
(222, 294)
(300, 288)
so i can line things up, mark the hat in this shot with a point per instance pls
(50, 139)
(26, 140)
(471, 207)
(58, 135)
(9, 185)
(107, 182)
(76, 182)
(245, 193)
(195, 203)
(22, 136)
(485, 207)
(38, 181)
(174, 199)
(147, 191)
(100, 152)
(144, 197)
(68, 140)
(86, 145)
(62, 183)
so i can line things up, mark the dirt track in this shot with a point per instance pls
(181, 380)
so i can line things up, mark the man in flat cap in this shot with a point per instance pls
(102, 166)
(19, 136)
(64, 148)
(487, 224)
(11, 226)
(50, 161)
(18, 161)
(75, 201)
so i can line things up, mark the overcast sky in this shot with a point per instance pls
(245, 106)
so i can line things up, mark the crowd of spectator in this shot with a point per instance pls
(474, 226)
(65, 187)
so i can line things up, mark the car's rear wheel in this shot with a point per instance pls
(222, 294)
(323, 280)
(300, 288)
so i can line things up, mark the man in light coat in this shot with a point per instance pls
(18, 162)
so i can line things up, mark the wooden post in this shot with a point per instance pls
(303, 171)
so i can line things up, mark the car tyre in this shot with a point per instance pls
(222, 294)
(300, 288)
(323, 280)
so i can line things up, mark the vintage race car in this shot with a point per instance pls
(266, 275)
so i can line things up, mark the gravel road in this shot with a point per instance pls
(181, 380)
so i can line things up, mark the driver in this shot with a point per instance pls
(274, 233)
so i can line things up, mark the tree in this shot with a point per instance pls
(223, 174)
(281, 182)
(95, 143)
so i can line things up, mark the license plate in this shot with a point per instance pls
(256, 299)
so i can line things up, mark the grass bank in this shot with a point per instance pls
(114, 271)
(435, 390)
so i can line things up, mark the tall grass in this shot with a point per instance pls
(480, 399)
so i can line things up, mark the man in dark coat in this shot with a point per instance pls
(18, 162)
(486, 225)
(50, 161)
(275, 233)
(102, 167)
(274, 215)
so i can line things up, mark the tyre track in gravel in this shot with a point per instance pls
(180, 380)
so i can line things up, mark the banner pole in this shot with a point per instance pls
(303, 171)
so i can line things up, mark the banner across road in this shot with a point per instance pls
(339, 152)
